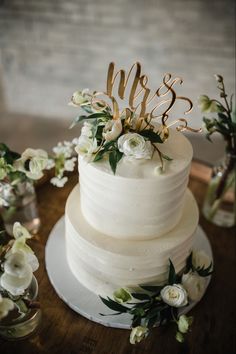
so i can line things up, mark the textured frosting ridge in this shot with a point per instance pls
(137, 203)
(103, 263)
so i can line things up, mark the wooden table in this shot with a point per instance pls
(65, 332)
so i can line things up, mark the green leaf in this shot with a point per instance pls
(172, 274)
(111, 304)
(152, 288)
(136, 321)
(140, 296)
(204, 272)
(8, 155)
(99, 155)
(166, 157)
(151, 135)
(77, 120)
(114, 158)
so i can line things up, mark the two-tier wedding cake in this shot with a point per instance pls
(131, 211)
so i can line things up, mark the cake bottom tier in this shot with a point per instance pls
(103, 264)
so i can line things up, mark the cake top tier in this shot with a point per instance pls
(177, 147)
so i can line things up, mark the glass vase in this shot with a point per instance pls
(219, 205)
(19, 203)
(19, 325)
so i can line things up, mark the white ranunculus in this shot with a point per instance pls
(200, 259)
(59, 182)
(137, 334)
(32, 162)
(194, 285)
(135, 146)
(6, 305)
(86, 145)
(112, 129)
(174, 295)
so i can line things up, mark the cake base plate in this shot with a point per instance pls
(79, 298)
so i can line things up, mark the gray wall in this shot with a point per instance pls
(48, 49)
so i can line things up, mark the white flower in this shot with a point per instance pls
(59, 182)
(17, 274)
(6, 193)
(135, 146)
(184, 323)
(70, 164)
(112, 129)
(20, 231)
(200, 259)
(137, 334)
(32, 162)
(86, 145)
(6, 305)
(174, 295)
(86, 129)
(75, 141)
(122, 295)
(194, 285)
(81, 98)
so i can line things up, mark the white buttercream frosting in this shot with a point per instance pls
(103, 264)
(136, 203)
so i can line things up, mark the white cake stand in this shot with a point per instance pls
(79, 298)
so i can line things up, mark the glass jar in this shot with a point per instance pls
(19, 325)
(19, 203)
(219, 205)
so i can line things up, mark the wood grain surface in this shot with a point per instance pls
(63, 331)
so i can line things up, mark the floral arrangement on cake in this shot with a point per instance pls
(111, 132)
(17, 265)
(158, 305)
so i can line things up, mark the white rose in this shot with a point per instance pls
(135, 146)
(137, 334)
(59, 182)
(200, 259)
(32, 162)
(86, 146)
(17, 274)
(174, 295)
(6, 305)
(194, 285)
(112, 129)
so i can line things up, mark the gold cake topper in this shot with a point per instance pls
(140, 108)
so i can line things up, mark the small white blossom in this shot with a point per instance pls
(194, 285)
(184, 322)
(20, 231)
(61, 149)
(6, 305)
(135, 146)
(59, 182)
(137, 334)
(112, 129)
(87, 129)
(174, 295)
(70, 164)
